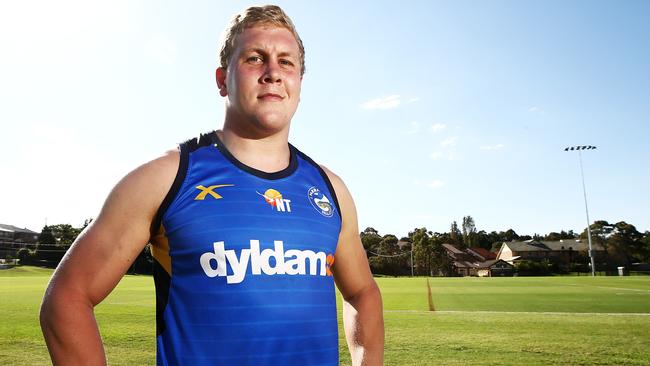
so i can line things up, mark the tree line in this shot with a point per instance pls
(623, 244)
(389, 255)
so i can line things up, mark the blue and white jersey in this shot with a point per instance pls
(242, 262)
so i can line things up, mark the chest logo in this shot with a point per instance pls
(320, 202)
(275, 199)
(222, 262)
(205, 191)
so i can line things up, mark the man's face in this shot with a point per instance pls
(263, 78)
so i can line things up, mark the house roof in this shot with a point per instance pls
(16, 229)
(482, 252)
(464, 264)
(452, 249)
(490, 263)
(574, 244)
(526, 246)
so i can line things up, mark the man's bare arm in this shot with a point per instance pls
(362, 307)
(98, 259)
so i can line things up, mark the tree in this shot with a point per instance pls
(454, 234)
(562, 235)
(65, 234)
(509, 235)
(627, 240)
(389, 258)
(370, 239)
(46, 248)
(469, 231)
(46, 236)
(429, 255)
(422, 250)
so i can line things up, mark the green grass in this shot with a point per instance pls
(479, 321)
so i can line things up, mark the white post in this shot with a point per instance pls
(584, 191)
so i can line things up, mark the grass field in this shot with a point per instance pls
(478, 321)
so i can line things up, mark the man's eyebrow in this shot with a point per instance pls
(262, 51)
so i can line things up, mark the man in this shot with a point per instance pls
(248, 234)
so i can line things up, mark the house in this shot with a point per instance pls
(13, 238)
(495, 268)
(563, 252)
(477, 262)
(463, 263)
(481, 254)
(14, 234)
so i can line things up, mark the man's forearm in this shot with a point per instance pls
(71, 332)
(364, 327)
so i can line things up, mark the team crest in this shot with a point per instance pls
(320, 202)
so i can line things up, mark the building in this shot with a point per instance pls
(563, 252)
(495, 268)
(477, 262)
(13, 238)
(14, 234)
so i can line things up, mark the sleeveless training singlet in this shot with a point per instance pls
(242, 262)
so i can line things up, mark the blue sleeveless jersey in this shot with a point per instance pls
(242, 262)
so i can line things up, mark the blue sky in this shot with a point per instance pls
(428, 110)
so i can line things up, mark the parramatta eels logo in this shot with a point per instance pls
(320, 202)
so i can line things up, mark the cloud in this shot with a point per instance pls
(435, 155)
(413, 100)
(392, 101)
(492, 147)
(437, 127)
(415, 128)
(449, 142)
(435, 184)
(534, 109)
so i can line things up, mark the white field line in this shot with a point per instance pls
(511, 312)
(611, 288)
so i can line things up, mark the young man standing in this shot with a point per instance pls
(249, 235)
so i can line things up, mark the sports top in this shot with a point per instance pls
(242, 262)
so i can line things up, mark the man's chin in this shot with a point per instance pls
(272, 123)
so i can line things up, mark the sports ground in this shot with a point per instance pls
(476, 321)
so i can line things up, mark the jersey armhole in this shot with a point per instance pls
(173, 190)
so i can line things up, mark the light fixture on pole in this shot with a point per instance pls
(584, 191)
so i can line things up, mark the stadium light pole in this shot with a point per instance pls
(584, 191)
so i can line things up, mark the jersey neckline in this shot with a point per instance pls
(293, 161)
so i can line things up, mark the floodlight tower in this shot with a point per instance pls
(584, 191)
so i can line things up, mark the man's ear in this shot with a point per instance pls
(220, 75)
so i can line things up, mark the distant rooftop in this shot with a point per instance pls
(15, 229)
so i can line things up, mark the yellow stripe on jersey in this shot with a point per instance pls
(160, 249)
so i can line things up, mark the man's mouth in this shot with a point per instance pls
(270, 97)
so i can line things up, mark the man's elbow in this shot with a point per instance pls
(370, 294)
(61, 306)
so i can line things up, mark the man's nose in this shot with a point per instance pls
(271, 73)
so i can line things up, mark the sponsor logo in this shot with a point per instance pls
(320, 202)
(205, 191)
(226, 263)
(275, 199)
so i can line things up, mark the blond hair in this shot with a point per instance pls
(257, 15)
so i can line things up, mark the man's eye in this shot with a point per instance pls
(254, 59)
(286, 62)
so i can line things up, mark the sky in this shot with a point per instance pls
(428, 110)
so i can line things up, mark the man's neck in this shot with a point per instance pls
(269, 153)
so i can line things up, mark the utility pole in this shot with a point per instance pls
(584, 191)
